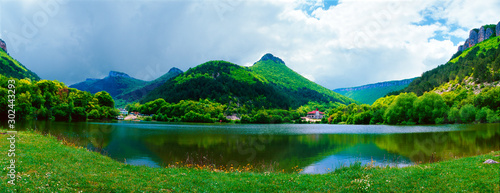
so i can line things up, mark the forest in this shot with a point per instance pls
(52, 100)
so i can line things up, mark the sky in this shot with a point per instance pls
(335, 43)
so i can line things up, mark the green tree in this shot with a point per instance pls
(401, 109)
(104, 99)
(79, 114)
(429, 107)
(454, 115)
(62, 112)
(94, 114)
(468, 113)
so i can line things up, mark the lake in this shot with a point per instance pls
(304, 148)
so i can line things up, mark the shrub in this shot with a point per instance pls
(468, 113)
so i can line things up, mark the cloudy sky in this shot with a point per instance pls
(337, 44)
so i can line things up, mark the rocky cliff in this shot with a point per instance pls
(3, 45)
(478, 35)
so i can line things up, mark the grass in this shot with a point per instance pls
(46, 164)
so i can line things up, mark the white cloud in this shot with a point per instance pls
(352, 43)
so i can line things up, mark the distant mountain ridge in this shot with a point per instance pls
(268, 83)
(371, 92)
(122, 86)
(377, 85)
(115, 83)
(138, 93)
(10, 67)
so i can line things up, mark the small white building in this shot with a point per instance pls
(123, 111)
(315, 114)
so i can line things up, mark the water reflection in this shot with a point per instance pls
(313, 148)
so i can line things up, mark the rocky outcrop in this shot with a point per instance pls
(479, 35)
(498, 29)
(3, 45)
(484, 34)
(118, 74)
(488, 33)
(473, 37)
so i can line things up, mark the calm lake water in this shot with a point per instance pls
(307, 148)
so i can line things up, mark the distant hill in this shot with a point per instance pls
(369, 93)
(13, 68)
(258, 86)
(115, 84)
(138, 93)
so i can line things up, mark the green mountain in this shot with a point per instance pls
(369, 93)
(481, 62)
(478, 58)
(137, 94)
(115, 84)
(13, 68)
(257, 86)
(275, 71)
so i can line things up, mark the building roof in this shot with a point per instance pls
(314, 112)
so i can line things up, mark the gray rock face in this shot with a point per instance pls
(466, 44)
(481, 35)
(498, 29)
(488, 33)
(3, 45)
(473, 36)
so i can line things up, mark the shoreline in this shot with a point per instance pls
(48, 164)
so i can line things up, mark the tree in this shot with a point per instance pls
(62, 112)
(468, 113)
(104, 99)
(401, 109)
(79, 114)
(94, 114)
(429, 107)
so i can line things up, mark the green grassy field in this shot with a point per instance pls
(46, 164)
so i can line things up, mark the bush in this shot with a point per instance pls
(246, 119)
(482, 114)
(492, 117)
(94, 114)
(62, 112)
(43, 113)
(196, 117)
(468, 113)
(454, 115)
(79, 114)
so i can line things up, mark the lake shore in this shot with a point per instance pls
(45, 163)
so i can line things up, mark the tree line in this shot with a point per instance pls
(458, 106)
(52, 100)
